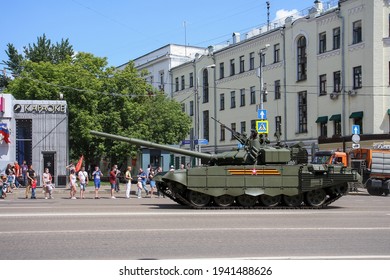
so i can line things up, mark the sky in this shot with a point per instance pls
(122, 30)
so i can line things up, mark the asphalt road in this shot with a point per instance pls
(354, 227)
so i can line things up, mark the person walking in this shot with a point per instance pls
(96, 174)
(128, 181)
(152, 183)
(24, 169)
(143, 177)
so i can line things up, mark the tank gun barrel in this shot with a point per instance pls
(139, 142)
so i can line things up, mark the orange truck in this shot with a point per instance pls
(373, 164)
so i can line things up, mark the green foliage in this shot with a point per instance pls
(100, 98)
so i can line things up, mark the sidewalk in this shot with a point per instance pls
(64, 192)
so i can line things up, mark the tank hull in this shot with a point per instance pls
(257, 184)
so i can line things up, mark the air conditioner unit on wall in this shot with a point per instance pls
(334, 95)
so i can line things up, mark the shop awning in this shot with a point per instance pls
(356, 115)
(335, 118)
(323, 119)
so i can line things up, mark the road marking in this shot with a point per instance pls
(159, 230)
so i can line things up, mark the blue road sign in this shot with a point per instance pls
(201, 142)
(186, 142)
(262, 127)
(355, 129)
(262, 114)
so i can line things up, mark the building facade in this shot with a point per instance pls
(318, 75)
(35, 131)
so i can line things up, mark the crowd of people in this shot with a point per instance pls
(24, 175)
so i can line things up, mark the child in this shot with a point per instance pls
(139, 187)
(3, 187)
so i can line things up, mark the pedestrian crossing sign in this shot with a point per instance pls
(262, 127)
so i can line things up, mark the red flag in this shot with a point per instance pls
(79, 164)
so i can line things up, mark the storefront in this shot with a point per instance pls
(35, 131)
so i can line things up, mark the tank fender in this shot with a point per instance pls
(178, 176)
(386, 185)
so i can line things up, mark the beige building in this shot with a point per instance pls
(322, 73)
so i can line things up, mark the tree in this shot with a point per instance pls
(42, 51)
(101, 98)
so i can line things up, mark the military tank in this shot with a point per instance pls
(257, 175)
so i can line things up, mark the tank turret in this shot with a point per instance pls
(254, 176)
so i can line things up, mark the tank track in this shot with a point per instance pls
(178, 198)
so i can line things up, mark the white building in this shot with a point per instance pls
(158, 63)
(322, 73)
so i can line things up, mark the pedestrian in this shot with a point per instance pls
(128, 181)
(24, 169)
(112, 176)
(142, 175)
(117, 171)
(3, 187)
(152, 183)
(17, 173)
(10, 181)
(96, 180)
(47, 184)
(83, 178)
(139, 187)
(73, 184)
(32, 183)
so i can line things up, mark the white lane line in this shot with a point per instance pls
(159, 230)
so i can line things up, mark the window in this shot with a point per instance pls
(177, 84)
(253, 124)
(302, 112)
(191, 80)
(253, 94)
(222, 132)
(242, 97)
(222, 70)
(276, 53)
(357, 77)
(206, 125)
(357, 32)
(222, 102)
(191, 108)
(323, 84)
(262, 59)
(337, 81)
(232, 67)
(205, 86)
(233, 128)
(337, 127)
(161, 86)
(233, 99)
(251, 61)
(24, 147)
(183, 107)
(277, 89)
(324, 129)
(336, 38)
(322, 42)
(243, 127)
(183, 83)
(301, 59)
(242, 64)
(278, 126)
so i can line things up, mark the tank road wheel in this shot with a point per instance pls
(315, 197)
(198, 199)
(293, 201)
(224, 200)
(247, 200)
(270, 201)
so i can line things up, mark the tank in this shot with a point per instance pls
(257, 175)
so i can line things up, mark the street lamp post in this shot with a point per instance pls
(260, 75)
(197, 111)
